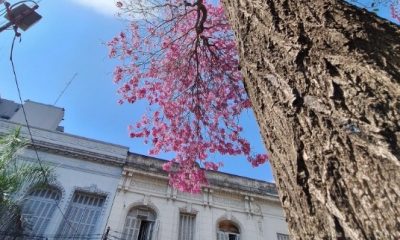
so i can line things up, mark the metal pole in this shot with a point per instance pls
(5, 26)
(105, 237)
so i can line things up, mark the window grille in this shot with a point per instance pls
(227, 236)
(140, 224)
(282, 236)
(227, 230)
(186, 226)
(39, 208)
(81, 216)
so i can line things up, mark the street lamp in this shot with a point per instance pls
(20, 15)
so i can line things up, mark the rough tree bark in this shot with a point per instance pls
(324, 80)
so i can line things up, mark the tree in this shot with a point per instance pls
(15, 175)
(323, 79)
(187, 69)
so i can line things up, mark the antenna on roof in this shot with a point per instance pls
(65, 88)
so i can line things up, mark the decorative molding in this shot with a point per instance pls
(247, 204)
(146, 199)
(228, 215)
(217, 180)
(149, 204)
(238, 183)
(188, 208)
(208, 197)
(171, 193)
(80, 169)
(148, 184)
(78, 153)
(72, 146)
(55, 183)
(189, 196)
(230, 200)
(92, 189)
(257, 209)
(174, 193)
(205, 196)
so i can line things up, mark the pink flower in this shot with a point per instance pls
(195, 94)
(211, 166)
(258, 160)
(395, 11)
(167, 166)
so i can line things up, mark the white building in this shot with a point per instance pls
(101, 185)
(78, 203)
(230, 208)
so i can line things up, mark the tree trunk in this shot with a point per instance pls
(324, 80)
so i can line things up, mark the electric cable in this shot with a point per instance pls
(28, 126)
(24, 112)
(26, 118)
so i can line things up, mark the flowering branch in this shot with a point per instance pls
(181, 58)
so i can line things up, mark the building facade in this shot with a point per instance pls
(230, 208)
(77, 204)
(102, 191)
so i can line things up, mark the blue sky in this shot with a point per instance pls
(70, 39)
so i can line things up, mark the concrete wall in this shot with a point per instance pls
(258, 217)
(39, 115)
(8, 108)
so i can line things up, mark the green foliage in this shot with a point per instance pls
(15, 175)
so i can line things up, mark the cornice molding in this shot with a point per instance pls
(130, 171)
(69, 166)
(71, 146)
(77, 153)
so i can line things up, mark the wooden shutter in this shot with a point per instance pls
(82, 215)
(39, 208)
(186, 226)
(156, 229)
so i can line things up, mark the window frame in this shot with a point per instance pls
(193, 219)
(89, 206)
(224, 235)
(45, 199)
(282, 236)
(132, 232)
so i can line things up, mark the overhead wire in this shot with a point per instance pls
(45, 174)
(24, 112)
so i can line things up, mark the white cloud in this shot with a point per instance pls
(105, 7)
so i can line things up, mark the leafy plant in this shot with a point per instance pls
(16, 175)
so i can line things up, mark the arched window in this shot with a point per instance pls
(39, 208)
(227, 230)
(140, 224)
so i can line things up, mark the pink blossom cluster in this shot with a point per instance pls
(395, 10)
(192, 84)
